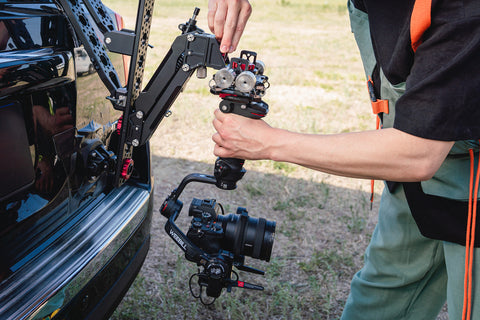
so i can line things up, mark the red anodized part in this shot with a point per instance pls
(127, 168)
(119, 125)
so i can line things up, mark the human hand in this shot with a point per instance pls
(227, 20)
(53, 124)
(241, 137)
(63, 120)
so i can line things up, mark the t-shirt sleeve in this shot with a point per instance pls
(442, 97)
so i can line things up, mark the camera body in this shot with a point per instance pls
(205, 231)
(237, 233)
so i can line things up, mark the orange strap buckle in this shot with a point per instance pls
(378, 105)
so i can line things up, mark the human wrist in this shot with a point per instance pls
(276, 144)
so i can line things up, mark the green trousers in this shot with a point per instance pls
(408, 276)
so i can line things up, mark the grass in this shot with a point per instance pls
(323, 221)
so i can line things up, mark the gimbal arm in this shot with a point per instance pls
(190, 51)
(142, 110)
(171, 208)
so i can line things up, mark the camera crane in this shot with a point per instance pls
(240, 83)
(142, 109)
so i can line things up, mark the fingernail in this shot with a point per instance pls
(224, 49)
(231, 49)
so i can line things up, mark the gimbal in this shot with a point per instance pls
(214, 241)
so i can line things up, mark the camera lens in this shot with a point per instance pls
(248, 236)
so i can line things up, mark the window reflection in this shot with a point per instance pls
(36, 151)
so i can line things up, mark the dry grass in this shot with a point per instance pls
(323, 222)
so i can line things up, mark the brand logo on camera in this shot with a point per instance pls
(178, 240)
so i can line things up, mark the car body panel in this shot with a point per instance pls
(75, 250)
(71, 243)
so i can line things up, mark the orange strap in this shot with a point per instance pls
(378, 106)
(420, 21)
(470, 239)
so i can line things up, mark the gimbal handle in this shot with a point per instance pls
(228, 171)
(241, 87)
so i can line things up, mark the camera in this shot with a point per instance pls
(217, 242)
(238, 233)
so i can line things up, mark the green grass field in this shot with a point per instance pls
(323, 222)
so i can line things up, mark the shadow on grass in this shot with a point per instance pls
(321, 233)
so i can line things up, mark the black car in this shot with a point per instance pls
(70, 243)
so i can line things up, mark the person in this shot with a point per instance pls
(420, 59)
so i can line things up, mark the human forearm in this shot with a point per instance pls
(387, 154)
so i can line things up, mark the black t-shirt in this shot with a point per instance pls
(442, 98)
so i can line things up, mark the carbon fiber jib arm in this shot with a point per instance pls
(241, 84)
(192, 50)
